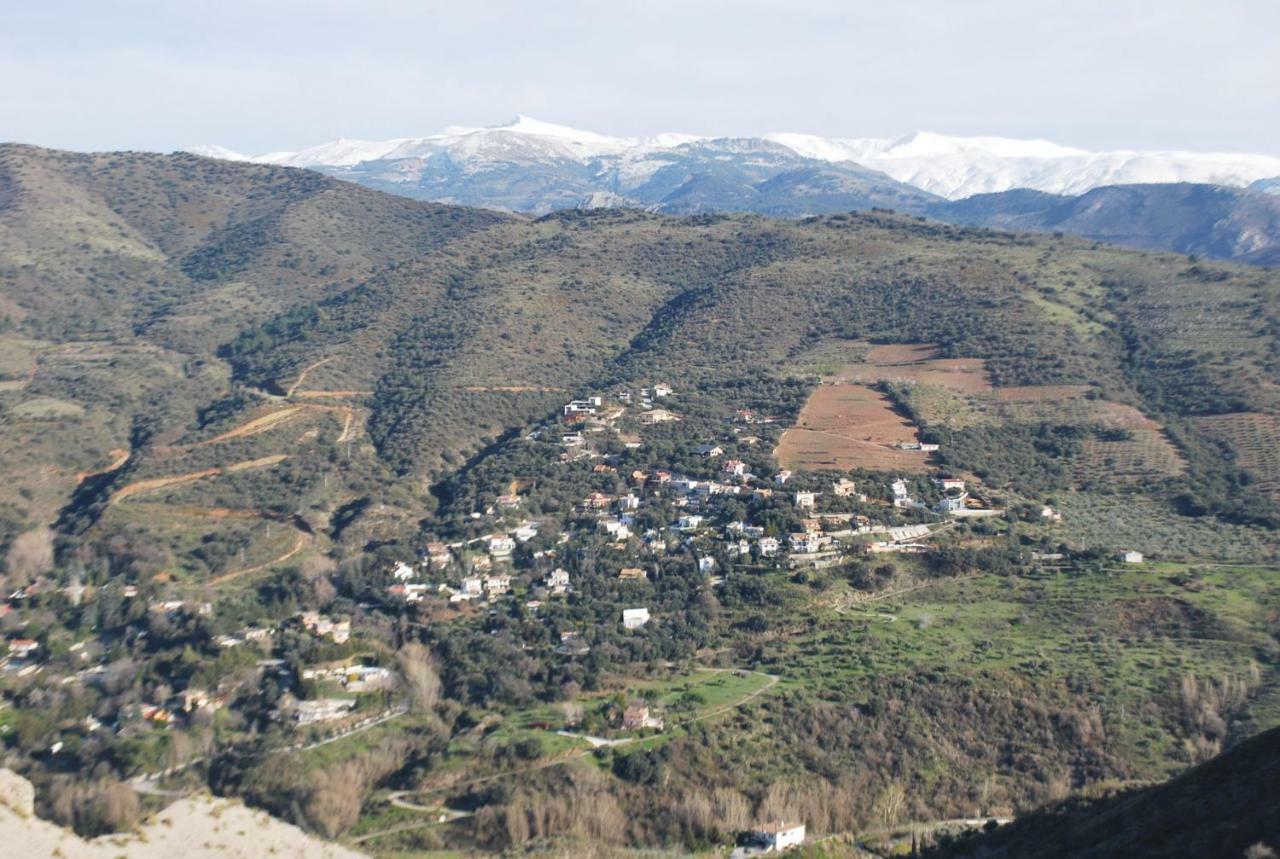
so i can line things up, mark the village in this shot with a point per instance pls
(729, 519)
(828, 530)
(714, 511)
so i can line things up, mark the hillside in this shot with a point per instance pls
(1206, 220)
(193, 292)
(382, 515)
(1221, 808)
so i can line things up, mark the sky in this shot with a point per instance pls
(263, 75)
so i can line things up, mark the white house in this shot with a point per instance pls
(735, 467)
(615, 529)
(500, 545)
(782, 477)
(662, 389)
(658, 416)
(777, 837)
(689, 523)
(403, 572)
(844, 488)
(706, 565)
(497, 585)
(769, 547)
(805, 500)
(710, 450)
(634, 618)
(586, 406)
(946, 483)
(438, 555)
(952, 501)
(410, 592)
(322, 710)
(806, 543)
(558, 581)
(1131, 557)
(23, 646)
(637, 717)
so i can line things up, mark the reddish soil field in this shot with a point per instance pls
(965, 375)
(845, 426)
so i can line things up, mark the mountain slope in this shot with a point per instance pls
(225, 301)
(1220, 808)
(180, 230)
(951, 167)
(1208, 220)
(1185, 202)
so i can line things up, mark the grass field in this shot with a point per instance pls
(1126, 639)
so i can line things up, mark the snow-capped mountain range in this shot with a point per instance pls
(949, 167)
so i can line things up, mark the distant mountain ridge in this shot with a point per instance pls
(1218, 205)
(946, 166)
(1207, 220)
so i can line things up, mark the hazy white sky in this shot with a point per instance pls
(257, 75)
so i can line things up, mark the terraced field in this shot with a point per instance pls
(1254, 437)
(846, 426)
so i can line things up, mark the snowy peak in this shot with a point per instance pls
(951, 167)
(528, 125)
(221, 153)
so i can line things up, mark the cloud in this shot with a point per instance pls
(285, 73)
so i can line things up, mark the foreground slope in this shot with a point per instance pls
(1222, 807)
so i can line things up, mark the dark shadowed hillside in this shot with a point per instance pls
(1222, 808)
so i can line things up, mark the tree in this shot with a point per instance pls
(889, 803)
(30, 555)
(421, 676)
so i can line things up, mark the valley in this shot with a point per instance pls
(433, 529)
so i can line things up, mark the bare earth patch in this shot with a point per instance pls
(844, 426)
(196, 827)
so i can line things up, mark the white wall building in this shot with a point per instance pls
(634, 618)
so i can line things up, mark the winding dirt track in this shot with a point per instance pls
(299, 543)
(262, 423)
(302, 377)
(339, 395)
(121, 457)
(155, 483)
